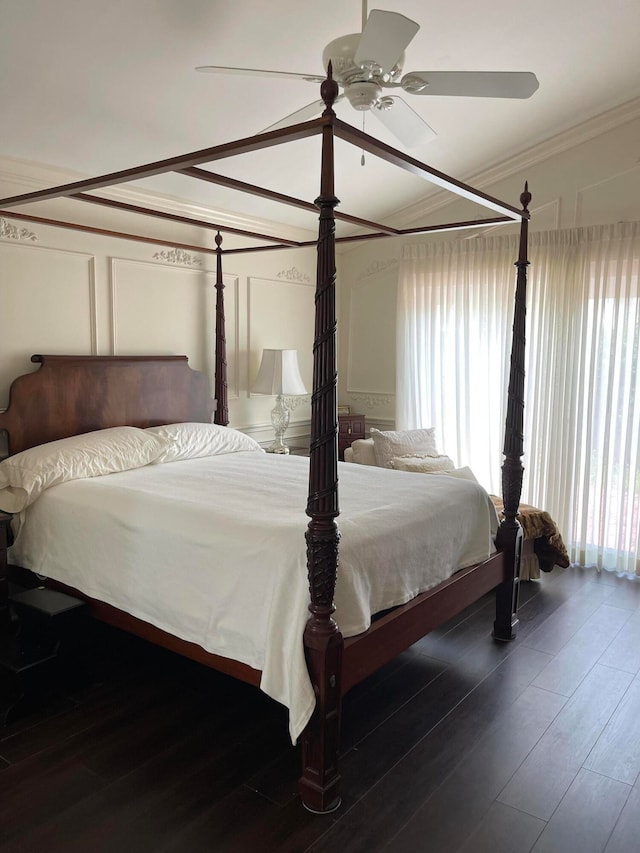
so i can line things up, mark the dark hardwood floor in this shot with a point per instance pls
(461, 744)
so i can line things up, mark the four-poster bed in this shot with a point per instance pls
(149, 391)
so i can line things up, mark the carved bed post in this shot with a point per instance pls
(221, 415)
(509, 538)
(319, 783)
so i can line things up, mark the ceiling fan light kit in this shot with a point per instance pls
(364, 95)
(366, 63)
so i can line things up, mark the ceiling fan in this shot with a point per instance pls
(366, 64)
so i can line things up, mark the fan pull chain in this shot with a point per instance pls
(362, 157)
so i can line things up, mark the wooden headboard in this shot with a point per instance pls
(72, 394)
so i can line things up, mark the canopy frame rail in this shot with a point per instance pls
(278, 243)
(187, 165)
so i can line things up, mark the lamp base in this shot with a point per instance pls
(280, 422)
(277, 448)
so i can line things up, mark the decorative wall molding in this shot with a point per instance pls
(376, 267)
(177, 256)
(368, 353)
(93, 305)
(263, 432)
(380, 423)
(297, 401)
(372, 399)
(231, 282)
(281, 328)
(206, 280)
(294, 274)
(12, 232)
(69, 323)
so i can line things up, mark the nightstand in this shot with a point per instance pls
(298, 451)
(350, 428)
(47, 647)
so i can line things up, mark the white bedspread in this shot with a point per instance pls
(212, 550)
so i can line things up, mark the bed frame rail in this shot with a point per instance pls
(388, 636)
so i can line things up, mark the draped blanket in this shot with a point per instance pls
(539, 526)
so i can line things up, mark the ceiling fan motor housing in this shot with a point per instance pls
(341, 52)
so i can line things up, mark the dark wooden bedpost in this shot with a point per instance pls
(509, 538)
(221, 415)
(323, 643)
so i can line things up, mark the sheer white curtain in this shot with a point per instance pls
(582, 409)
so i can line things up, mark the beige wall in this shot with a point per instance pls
(587, 176)
(68, 292)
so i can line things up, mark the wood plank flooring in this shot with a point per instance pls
(460, 744)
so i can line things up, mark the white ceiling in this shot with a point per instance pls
(95, 86)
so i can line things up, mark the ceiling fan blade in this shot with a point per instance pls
(471, 84)
(259, 72)
(303, 114)
(404, 122)
(384, 39)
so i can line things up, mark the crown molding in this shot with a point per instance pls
(570, 138)
(33, 175)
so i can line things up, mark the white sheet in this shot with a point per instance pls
(212, 550)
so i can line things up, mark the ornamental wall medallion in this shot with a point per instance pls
(372, 400)
(177, 256)
(299, 400)
(376, 267)
(294, 274)
(12, 232)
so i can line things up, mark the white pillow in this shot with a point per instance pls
(363, 451)
(411, 442)
(26, 475)
(192, 440)
(423, 464)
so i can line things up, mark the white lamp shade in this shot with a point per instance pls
(279, 374)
